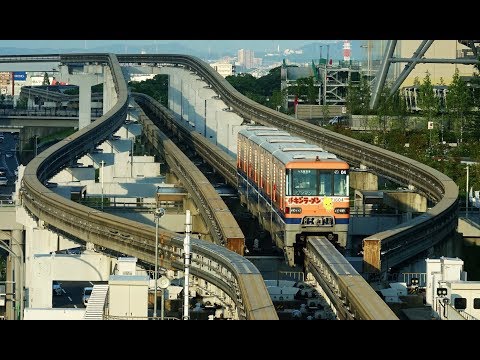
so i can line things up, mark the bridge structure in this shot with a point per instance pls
(190, 77)
(418, 57)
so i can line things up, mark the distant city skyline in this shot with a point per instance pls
(204, 45)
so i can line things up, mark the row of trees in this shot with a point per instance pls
(156, 88)
(455, 120)
(264, 90)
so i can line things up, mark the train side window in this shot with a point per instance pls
(476, 303)
(255, 169)
(460, 303)
(288, 187)
(262, 169)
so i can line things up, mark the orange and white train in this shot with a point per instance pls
(295, 189)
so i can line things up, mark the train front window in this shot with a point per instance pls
(340, 183)
(314, 182)
(325, 183)
(304, 182)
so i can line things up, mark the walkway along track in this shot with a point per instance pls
(230, 272)
(351, 295)
(397, 244)
(222, 226)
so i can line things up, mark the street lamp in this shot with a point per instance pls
(466, 196)
(159, 212)
(164, 283)
(21, 282)
(35, 137)
(102, 163)
(132, 139)
(186, 250)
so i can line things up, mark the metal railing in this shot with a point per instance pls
(421, 277)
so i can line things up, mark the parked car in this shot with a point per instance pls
(57, 289)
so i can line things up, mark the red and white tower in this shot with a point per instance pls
(346, 50)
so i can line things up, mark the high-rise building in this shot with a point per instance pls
(245, 58)
(440, 49)
(346, 50)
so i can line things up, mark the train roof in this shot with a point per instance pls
(285, 147)
(293, 152)
(277, 139)
(250, 131)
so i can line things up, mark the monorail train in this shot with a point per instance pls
(294, 188)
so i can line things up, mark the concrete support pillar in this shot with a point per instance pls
(85, 102)
(9, 298)
(109, 94)
(203, 94)
(363, 181)
(213, 105)
(185, 93)
(406, 201)
(227, 130)
(92, 75)
(17, 247)
(30, 102)
(175, 94)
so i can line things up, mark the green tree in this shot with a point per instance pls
(365, 94)
(459, 102)
(3, 266)
(22, 103)
(277, 99)
(46, 79)
(312, 92)
(426, 98)
(427, 103)
(353, 98)
(156, 88)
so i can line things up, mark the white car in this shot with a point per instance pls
(87, 291)
(57, 288)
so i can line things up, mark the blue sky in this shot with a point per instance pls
(214, 45)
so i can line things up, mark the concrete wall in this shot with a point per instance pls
(84, 175)
(54, 314)
(8, 218)
(368, 225)
(199, 107)
(468, 228)
(405, 201)
(363, 180)
(45, 268)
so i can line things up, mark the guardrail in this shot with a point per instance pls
(399, 243)
(222, 226)
(223, 163)
(235, 276)
(389, 248)
(45, 112)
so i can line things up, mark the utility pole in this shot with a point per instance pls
(186, 249)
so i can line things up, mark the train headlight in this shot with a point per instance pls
(342, 210)
(441, 291)
(293, 210)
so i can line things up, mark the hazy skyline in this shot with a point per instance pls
(205, 45)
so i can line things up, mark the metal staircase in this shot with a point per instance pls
(96, 303)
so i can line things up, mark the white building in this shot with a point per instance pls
(449, 293)
(245, 58)
(224, 69)
(141, 77)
